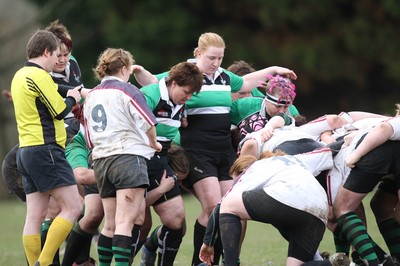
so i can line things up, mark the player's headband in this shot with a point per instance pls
(277, 101)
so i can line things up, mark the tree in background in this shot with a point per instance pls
(345, 53)
(346, 50)
(17, 23)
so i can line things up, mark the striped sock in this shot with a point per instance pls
(104, 250)
(390, 231)
(355, 231)
(341, 243)
(380, 253)
(122, 249)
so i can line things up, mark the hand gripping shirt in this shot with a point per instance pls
(116, 119)
(36, 104)
(339, 173)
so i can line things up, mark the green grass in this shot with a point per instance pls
(262, 246)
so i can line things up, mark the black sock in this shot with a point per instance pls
(231, 230)
(168, 245)
(198, 235)
(151, 243)
(355, 231)
(218, 250)
(139, 245)
(122, 249)
(78, 246)
(84, 255)
(104, 249)
(135, 238)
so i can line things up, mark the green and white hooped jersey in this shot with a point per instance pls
(215, 95)
(208, 113)
(168, 114)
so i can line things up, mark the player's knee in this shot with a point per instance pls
(75, 210)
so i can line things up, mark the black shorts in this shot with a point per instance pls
(301, 229)
(155, 167)
(120, 172)
(373, 166)
(205, 164)
(90, 189)
(44, 167)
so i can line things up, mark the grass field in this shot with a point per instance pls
(262, 246)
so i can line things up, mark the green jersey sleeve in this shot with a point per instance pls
(236, 81)
(77, 152)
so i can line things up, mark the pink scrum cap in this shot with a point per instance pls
(279, 90)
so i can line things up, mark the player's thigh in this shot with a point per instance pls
(346, 201)
(233, 203)
(171, 212)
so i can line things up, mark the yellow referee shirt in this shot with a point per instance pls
(36, 103)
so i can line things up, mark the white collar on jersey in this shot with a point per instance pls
(111, 78)
(216, 74)
(165, 96)
(65, 75)
(164, 91)
(263, 112)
